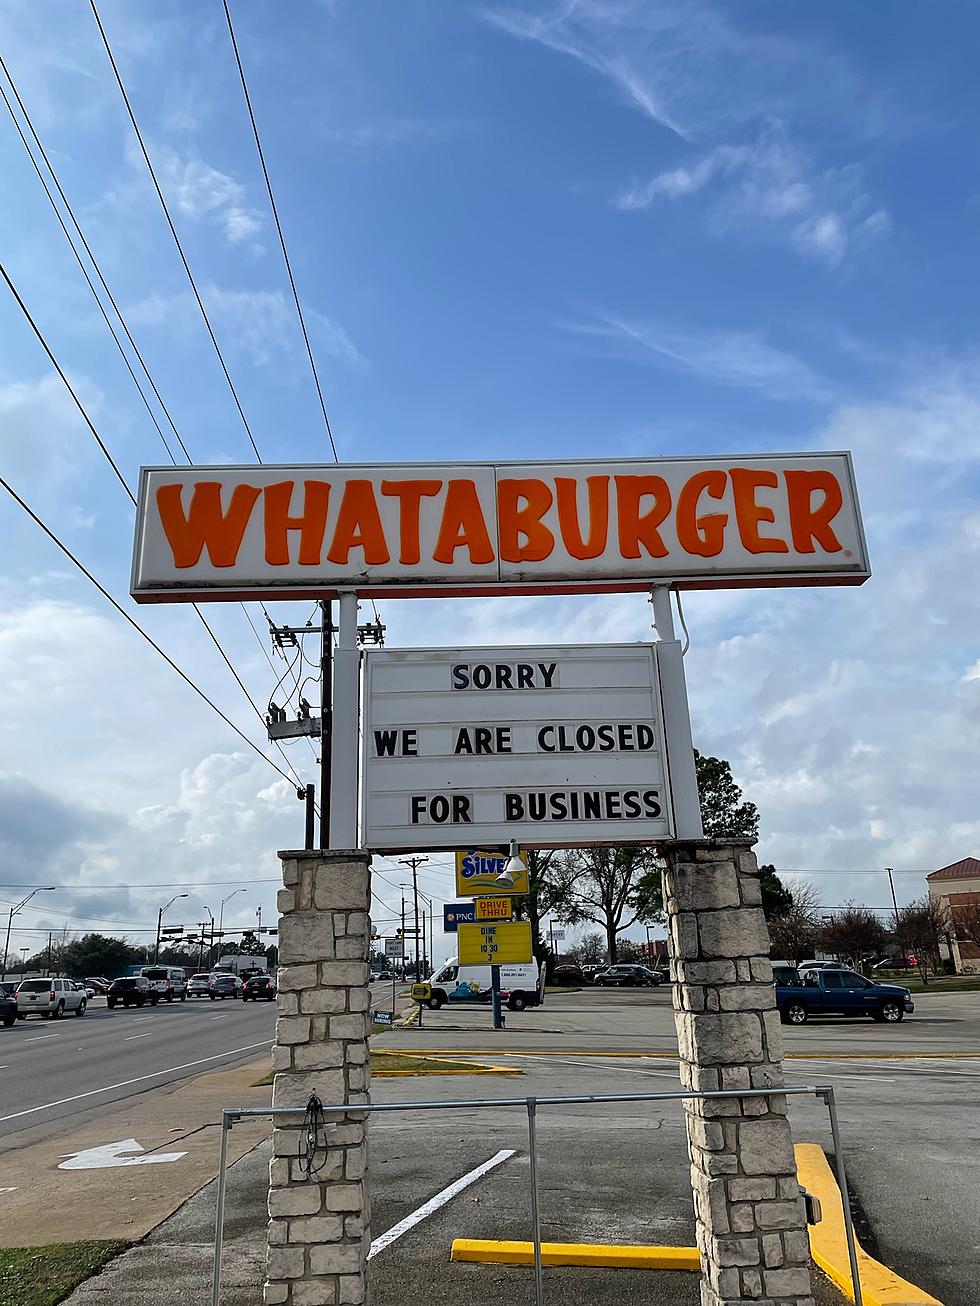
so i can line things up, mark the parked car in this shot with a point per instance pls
(98, 982)
(9, 987)
(631, 976)
(131, 991)
(259, 986)
(841, 993)
(50, 998)
(169, 981)
(86, 988)
(199, 986)
(224, 986)
(896, 963)
(568, 974)
(785, 973)
(8, 1008)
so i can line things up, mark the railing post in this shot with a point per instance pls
(845, 1197)
(219, 1210)
(532, 1144)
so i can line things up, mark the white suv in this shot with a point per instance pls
(50, 998)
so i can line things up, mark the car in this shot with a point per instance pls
(9, 987)
(839, 992)
(785, 973)
(629, 976)
(224, 986)
(85, 987)
(131, 991)
(199, 986)
(259, 986)
(50, 998)
(97, 982)
(8, 1008)
(169, 981)
(568, 974)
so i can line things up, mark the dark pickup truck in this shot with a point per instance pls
(840, 993)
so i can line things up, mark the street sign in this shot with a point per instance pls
(421, 992)
(454, 912)
(506, 943)
(556, 932)
(477, 872)
(560, 746)
(394, 948)
(496, 528)
(383, 1017)
(493, 909)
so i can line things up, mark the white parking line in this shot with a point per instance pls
(41, 1037)
(139, 1079)
(607, 1063)
(434, 1203)
(129, 1038)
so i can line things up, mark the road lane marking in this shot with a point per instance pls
(434, 1203)
(130, 1037)
(110, 1155)
(139, 1079)
(589, 1065)
(41, 1037)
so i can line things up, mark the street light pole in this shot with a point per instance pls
(221, 915)
(46, 888)
(156, 950)
(415, 863)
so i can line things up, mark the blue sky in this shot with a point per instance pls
(519, 231)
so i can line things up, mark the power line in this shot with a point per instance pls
(137, 627)
(282, 238)
(173, 231)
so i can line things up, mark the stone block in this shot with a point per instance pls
(352, 1290)
(734, 1251)
(766, 1147)
(747, 997)
(708, 972)
(725, 1037)
(342, 886)
(794, 1282)
(751, 1284)
(684, 936)
(344, 1197)
(285, 1262)
(703, 888)
(282, 1057)
(337, 1258)
(354, 1226)
(323, 1001)
(350, 948)
(740, 932)
(315, 1292)
(278, 1172)
(750, 890)
(358, 922)
(358, 1000)
(796, 1246)
(751, 1190)
(761, 970)
(767, 1075)
(357, 1078)
(743, 970)
(331, 1169)
(286, 901)
(706, 1134)
(287, 1004)
(293, 978)
(778, 1215)
(353, 1026)
(305, 937)
(355, 1162)
(299, 1199)
(292, 1029)
(290, 872)
(741, 1217)
(356, 1054)
(773, 1032)
(274, 1294)
(318, 1056)
(294, 1088)
(788, 1188)
(286, 1142)
(772, 1251)
(277, 1233)
(316, 1228)
(735, 1077)
(344, 974)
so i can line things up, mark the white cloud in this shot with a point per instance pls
(200, 192)
(736, 358)
(381, 133)
(771, 191)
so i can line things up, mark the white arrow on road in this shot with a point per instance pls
(113, 1154)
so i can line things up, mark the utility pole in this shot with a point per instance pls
(326, 715)
(49, 888)
(891, 885)
(403, 933)
(49, 952)
(415, 863)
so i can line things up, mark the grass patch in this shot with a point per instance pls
(385, 1062)
(42, 1276)
(937, 984)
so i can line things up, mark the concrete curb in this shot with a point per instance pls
(828, 1242)
(602, 1255)
(478, 1068)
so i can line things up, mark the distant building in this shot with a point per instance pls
(958, 886)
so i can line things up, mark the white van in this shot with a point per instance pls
(455, 983)
(169, 981)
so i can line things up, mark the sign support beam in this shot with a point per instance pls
(677, 719)
(344, 749)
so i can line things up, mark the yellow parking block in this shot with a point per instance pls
(490, 1251)
(828, 1241)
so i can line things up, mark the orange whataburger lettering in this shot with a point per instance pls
(358, 526)
(806, 522)
(311, 525)
(704, 536)
(462, 526)
(641, 528)
(409, 495)
(205, 524)
(568, 522)
(749, 512)
(514, 521)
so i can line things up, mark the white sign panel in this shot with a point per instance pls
(468, 528)
(552, 746)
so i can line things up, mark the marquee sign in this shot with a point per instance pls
(476, 528)
(561, 746)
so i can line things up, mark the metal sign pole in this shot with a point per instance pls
(344, 733)
(677, 720)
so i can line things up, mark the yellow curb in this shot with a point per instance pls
(672, 1056)
(478, 1067)
(604, 1255)
(828, 1241)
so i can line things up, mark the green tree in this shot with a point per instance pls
(96, 954)
(602, 885)
(777, 900)
(543, 896)
(724, 814)
(920, 928)
(250, 945)
(851, 933)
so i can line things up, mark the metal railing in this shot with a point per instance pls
(824, 1092)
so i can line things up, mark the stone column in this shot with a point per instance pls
(751, 1224)
(319, 1228)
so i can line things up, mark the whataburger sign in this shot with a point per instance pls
(471, 528)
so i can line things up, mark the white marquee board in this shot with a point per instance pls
(553, 746)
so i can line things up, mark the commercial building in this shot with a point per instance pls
(958, 886)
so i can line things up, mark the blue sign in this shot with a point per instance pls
(383, 1017)
(454, 912)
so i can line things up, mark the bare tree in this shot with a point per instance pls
(920, 928)
(589, 950)
(794, 934)
(851, 933)
(601, 885)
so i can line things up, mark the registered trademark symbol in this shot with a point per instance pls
(848, 553)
